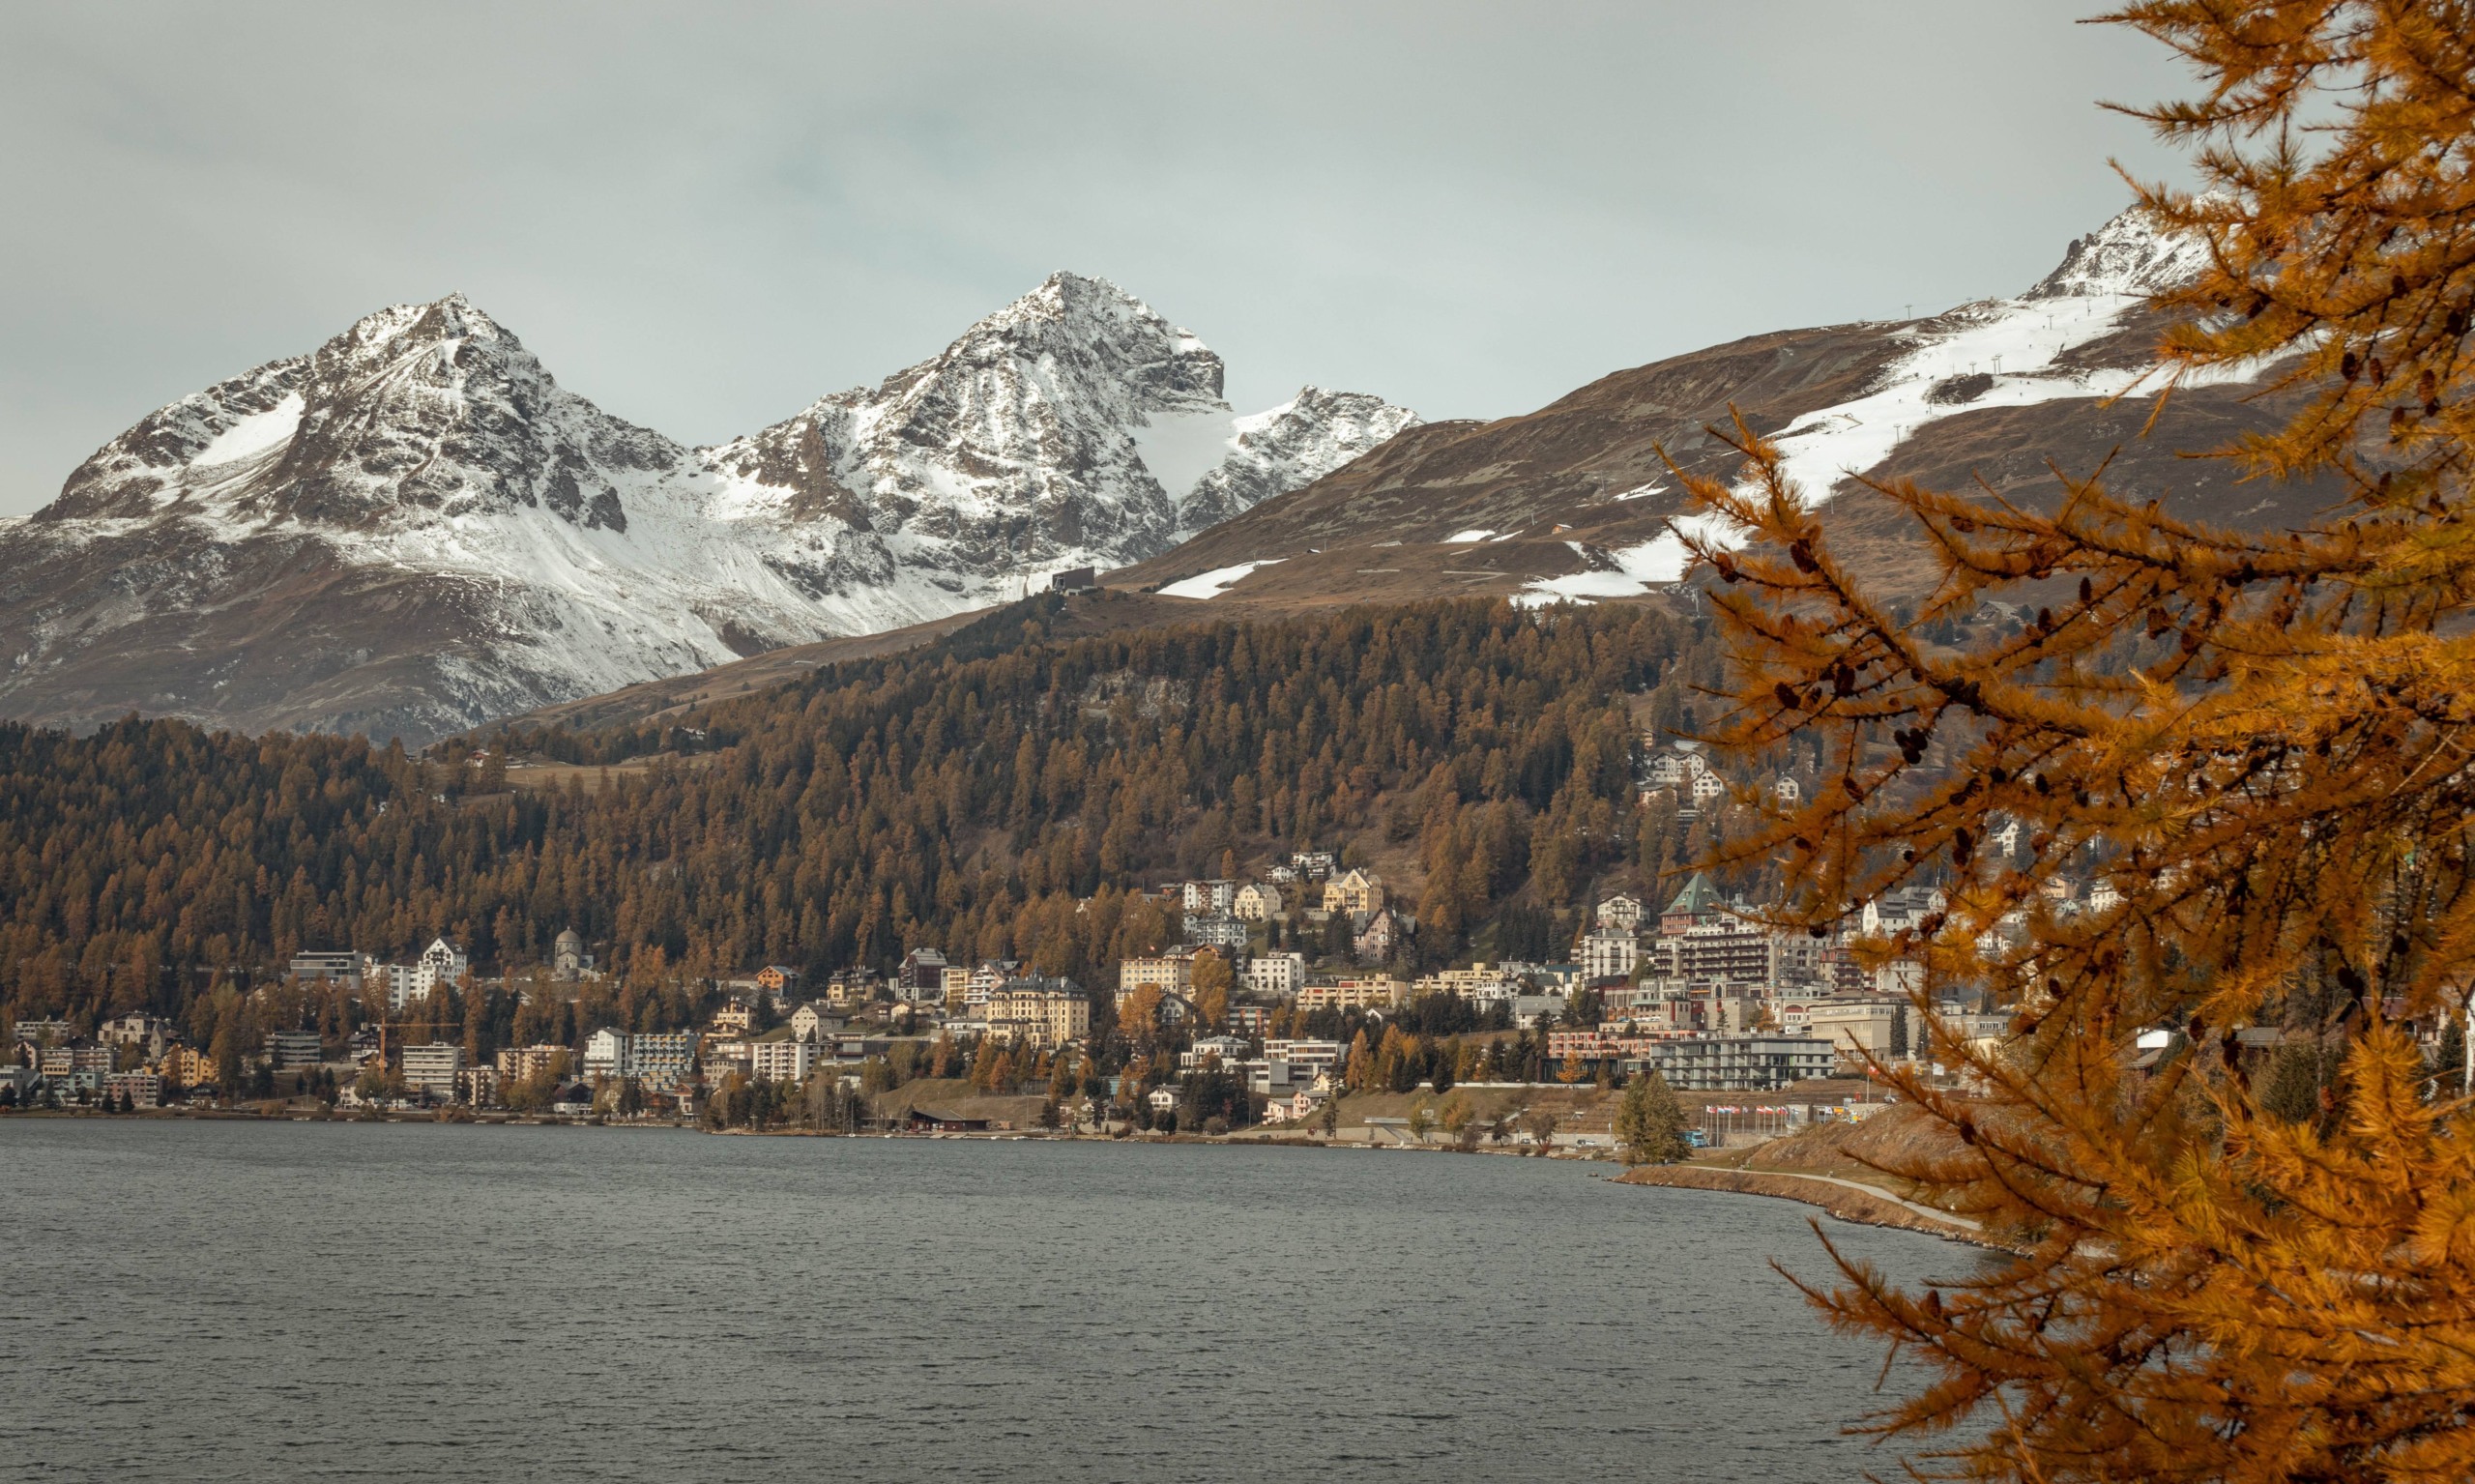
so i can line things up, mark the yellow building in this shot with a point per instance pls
(1172, 971)
(186, 1067)
(1360, 891)
(1045, 1016)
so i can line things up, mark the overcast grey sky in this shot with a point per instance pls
(703, 218)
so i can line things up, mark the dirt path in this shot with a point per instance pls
(1847, 1199)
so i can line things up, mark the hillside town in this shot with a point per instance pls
(1697, 988)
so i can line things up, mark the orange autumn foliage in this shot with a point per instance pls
(2260, 741)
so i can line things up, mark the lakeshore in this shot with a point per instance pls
(1837, 1185)
(470, 1306)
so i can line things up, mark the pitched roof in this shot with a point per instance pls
(1699, 896)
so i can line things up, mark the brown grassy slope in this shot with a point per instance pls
(1852, 1151)
(956, 1097)
(1837, 1200)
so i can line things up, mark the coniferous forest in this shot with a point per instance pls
(993, 795)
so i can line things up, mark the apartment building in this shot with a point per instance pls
(1273, 976)
(1856, 1028)
(1216, 930)
(1609, 953)
(1310, 1056)
(987, 978)
(187, 1066)
(1227, 1050)
(607, 1054)
(1210, 897)
(340, 966)
(788, 1059)
(810, 1022)
(515, 1064)
(1173, 973)
(432, 1067)
(293, 1051)
(663, 1061)
(143, 1089)
(1379, 991)
(1756, 1062)
(922, 974)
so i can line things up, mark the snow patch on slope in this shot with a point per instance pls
(1629, 573)
(2000, 353)
(255, 434)
(1219, 580)
(1181, 448)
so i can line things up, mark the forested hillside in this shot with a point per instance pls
(993, 795)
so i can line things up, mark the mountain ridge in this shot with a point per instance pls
(513, 545)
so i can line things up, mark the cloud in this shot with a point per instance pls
(705, 217)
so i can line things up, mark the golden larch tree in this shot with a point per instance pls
(2258, 740)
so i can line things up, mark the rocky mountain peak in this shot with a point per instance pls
(1089, 337)
(436, 409)
(2129, 256)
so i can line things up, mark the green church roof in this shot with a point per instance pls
(1697, 897)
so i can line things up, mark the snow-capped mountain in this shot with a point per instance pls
(1574, 502)
(414, 528)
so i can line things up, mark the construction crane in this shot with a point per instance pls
(384, 1025)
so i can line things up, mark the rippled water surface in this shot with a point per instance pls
(255, 1301)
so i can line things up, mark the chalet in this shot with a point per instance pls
(1624, 914)
(1379, 934)
(1359, 891)
(1257, 901)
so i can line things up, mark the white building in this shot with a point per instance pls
(1608, 954)
(1621, 913)
(1305, 1058)
(336, 965)
(787, 1061)
(1854, 1028)
(441, 966)
(1228, 1049)
(1213, 897)
(432, 1068)
(1274, 976)
(1892, 911)
(1314, 864)
(1676, 768)
(1215, 930)
(134, 1029)
(606, 1054)
(984, 979)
